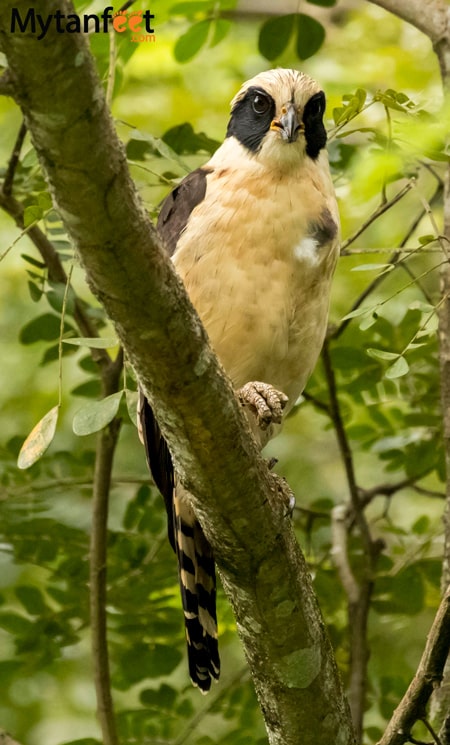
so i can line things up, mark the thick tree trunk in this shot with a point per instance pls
(239, 502)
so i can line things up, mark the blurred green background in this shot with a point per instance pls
(393, 423)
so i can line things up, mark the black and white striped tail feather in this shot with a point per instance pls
(195, 559)
(198, 594)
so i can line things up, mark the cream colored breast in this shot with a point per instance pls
(257, 281)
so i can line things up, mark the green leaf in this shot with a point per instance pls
(398, 369)
(96, 415)
(94, 342)
(158, 146)
(35, 291)
(190, 43)
(183, 139)
(43, 328)
(32, 214)
(274, 36)
(323, 3)
(57, 295)
(372, 267)
(163, 698)
(15, 624)
(89, 389)
(44, 201)
(35, 262)
(144, 661)
(31, 599)
(361, 311)
(381, 354)
(422, 525)
(39, 439)
(132, 398)
(310, 36)
(222, 28)
(368, 322)
(425, 239)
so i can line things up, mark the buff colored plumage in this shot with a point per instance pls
(254, 234)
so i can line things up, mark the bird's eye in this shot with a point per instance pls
(260, 104)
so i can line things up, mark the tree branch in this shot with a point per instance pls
(358, 592)
(429, 675)
(429, 16)
(239, 502)
(106, 445)
(13, 161)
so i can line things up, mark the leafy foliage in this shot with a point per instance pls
(386, 153)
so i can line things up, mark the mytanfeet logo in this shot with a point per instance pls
(139, 22)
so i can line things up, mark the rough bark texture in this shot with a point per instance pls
(238, 500)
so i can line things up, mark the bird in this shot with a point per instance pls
(254, 235)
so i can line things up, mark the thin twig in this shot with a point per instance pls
(433, 734)
(394, 259)
(384, 207)
(13, 161)
(388, 489)
(358, 593)
(339, 553)
(106, 445)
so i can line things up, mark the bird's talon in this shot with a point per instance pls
(267, 403)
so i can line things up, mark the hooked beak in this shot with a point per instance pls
(288, 124)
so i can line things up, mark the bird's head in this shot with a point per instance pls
(278, 117)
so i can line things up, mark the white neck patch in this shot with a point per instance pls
(307, 250)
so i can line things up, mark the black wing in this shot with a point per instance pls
(159, 461)
(173, 218)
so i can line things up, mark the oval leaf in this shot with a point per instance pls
(190, 43)
(32, 214)
(39, 439)
(323, 3)
(382, 354)
(310, 36)
(221, 28)
(96, 415)
(399, 368)
(43, 328)
(274, 36)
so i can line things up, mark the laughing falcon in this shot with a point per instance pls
(254, 234)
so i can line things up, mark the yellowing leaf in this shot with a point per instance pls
(39, 439)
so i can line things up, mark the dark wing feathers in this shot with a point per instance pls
(159, 461)
(172, 220)
(195, 559)
(177, 207)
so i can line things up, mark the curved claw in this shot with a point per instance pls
(267, 402)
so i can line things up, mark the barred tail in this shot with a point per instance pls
(198, 594)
